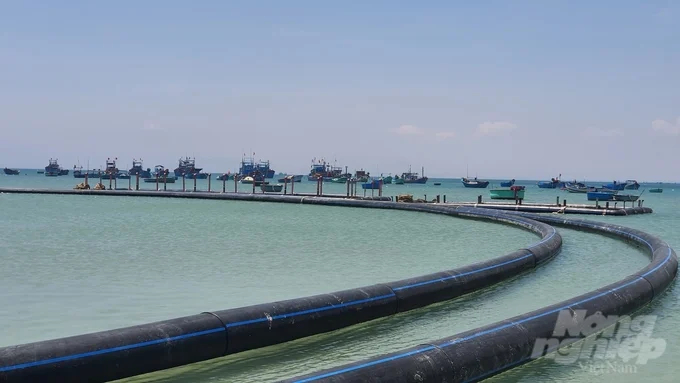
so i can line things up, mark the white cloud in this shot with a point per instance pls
(670, 128)
(409, 130)
(495, 128)
(445, 135)
(599, 132)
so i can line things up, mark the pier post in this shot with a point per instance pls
(597, 203)
(130, 183)
(165, 180)
(157, 175)
(606, 205)
(380, 186)
(479, 199)
(253, 185)
(564, 202)
(235, 183)
(558, 200)
(224, 183)
(444, 198)
(425, 197)
(137, 182)
(184, 182)
(115, 182)
(85, 179)
(285, 186)
(110, 180)
(348, 181)
(209, 180)
(292, 185)
(317, 186)
(437, 198)
(194, 181)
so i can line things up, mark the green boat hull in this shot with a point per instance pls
(399, 181)
(506, 194)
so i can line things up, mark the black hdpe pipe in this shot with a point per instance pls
(480, 353)
(126, 352)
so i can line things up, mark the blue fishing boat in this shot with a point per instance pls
(11, 172)
(138, 169)
(554, 183)
(52, 169)
(600, 196)
(577, 187)
(263, 168)
(507, 184)
(474, 183)
(373, 184)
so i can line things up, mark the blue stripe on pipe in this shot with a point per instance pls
(110, 350)
(348, 369)
(303, 312)
(442, 279)
(475, 335)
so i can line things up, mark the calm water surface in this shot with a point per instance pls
(74, 265)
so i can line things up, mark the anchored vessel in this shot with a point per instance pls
(161, 175)
(11, 172)
(324, 170)
(413, 178)
(78, 172)
(53, 169)
(512, 193)
(554, 183)
(474, 183)
(137, 168)
(187, 168)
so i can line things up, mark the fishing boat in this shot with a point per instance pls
(187, 168)
(256, 179)
(162, 175)
(324, 170)
(387, 180)
(632, 185)
(414, 178)
(512, 193)
(78, 172)
(111, 171)
(291, 178)
(263, 168)
(271, 188)
(123, 175)
(554, 183)
(507, 184)
(361, 175)
(138, 169)
(373, 184)
(626, 197)
(615, 186)
(577, 187)
(40, 172)
(398, 181)
(63, 172)
(600, 196)
(437, 184)
(656, 190)
(225, 177)
(474, 183)
(52, 169)
(11, 172)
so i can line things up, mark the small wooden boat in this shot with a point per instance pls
(474, 183)
(271, 188)
(291, 178)
(11, 172)
(374, 184)
(600, 196)
(512, 193)
(398, 181)
(507, 184)
(615, 186)
(437, 184)
(656, 190)
(626, 197)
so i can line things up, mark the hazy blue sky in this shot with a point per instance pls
(511, 89)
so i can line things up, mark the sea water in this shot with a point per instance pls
(78, 264)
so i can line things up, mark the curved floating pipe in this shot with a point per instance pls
(130, 351)
(486, 351)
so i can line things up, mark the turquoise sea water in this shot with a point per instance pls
(77, 264)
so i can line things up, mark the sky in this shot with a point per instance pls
(499, 89)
